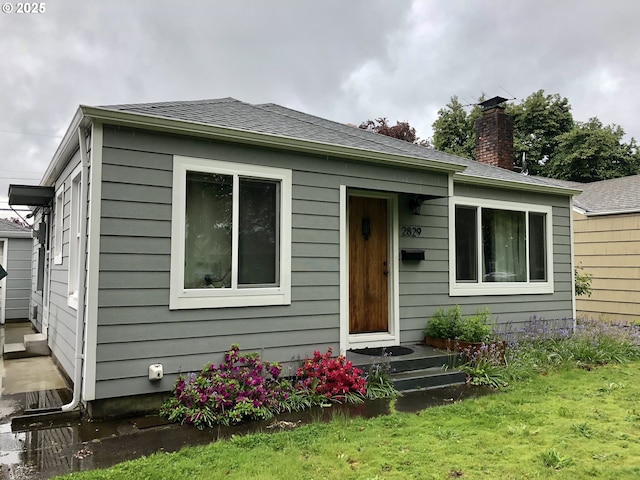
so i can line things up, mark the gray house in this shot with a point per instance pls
(16, 246)
(179, 228)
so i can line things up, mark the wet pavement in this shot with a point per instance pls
(41, 450)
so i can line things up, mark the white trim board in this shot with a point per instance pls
(378, 339)
(479, 288)
(93, 265)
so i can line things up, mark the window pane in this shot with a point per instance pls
(466, 244)
(503, 246)
(537, 247)
(208, 223)
(258, 235)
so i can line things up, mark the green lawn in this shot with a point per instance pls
(575, 424)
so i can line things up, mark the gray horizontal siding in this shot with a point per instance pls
(135, 260)
(424, 285)
(18, 282)
(136, 328)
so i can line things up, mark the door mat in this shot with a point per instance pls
(394, 351)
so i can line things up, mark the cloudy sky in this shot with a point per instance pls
(343, 60)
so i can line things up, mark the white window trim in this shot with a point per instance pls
(74, 237)
(181, 298)
(499, 288)
(59, 226)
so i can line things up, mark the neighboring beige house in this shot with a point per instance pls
(606, 229)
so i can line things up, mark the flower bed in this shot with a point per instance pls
(244, 387)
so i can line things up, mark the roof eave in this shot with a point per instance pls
(15, 234)
(65, 150)
(514, 185)
(117, 117)
(611, 212)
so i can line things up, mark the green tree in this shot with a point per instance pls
(591, 151)
(537, 123)
(454, 130)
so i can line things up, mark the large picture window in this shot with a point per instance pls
(231, 236)
(500, 248)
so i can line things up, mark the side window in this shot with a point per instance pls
(58, 230)
(231, 235)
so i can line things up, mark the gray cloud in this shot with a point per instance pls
(347, 61)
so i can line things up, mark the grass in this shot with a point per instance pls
(569, 423)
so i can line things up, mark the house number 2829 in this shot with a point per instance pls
(410, 231)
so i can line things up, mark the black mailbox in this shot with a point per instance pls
(412, 254)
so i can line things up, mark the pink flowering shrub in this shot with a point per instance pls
(332, 377)
(243, 387)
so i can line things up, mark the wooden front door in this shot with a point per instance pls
(368, 265)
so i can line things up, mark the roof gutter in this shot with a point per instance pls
(513, 185)
(138, 120)
(608, 212)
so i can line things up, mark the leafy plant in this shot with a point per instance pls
(552, 459)
(242, 387)
(476, 328)
(485, 370)
(582, 282)
(452, 324)
(444, 324)
(334, 378)
(379, 383)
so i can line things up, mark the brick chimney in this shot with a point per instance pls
(494, 135)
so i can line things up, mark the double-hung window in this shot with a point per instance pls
(231, 234)
(500, 248)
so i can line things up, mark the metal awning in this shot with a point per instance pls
(31, 195)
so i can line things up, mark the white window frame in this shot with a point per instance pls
(74, 237)
(181, 298)
(58, 226)
(499, 288)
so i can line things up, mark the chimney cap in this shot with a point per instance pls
(493, 102)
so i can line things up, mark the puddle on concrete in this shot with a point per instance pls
(87, 445)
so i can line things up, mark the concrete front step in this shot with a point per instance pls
(425, 368)
(432, 377)
(14, 350)
(34, 345)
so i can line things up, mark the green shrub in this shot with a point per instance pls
(452, 324)
(444, 324)
(476, 328)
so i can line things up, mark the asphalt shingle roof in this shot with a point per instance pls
(8, 228)
(617, 194)
(277, 120)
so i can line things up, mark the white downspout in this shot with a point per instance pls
(82, 276)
